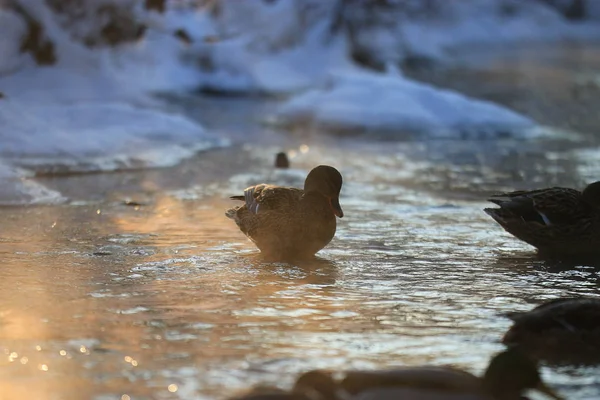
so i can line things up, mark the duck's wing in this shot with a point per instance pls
(440, 378)
(552, 206)
(269, 197)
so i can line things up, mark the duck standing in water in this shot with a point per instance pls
(557, 221)
(561, 331)
(289, 223)
(508, 375)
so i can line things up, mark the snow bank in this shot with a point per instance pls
(18, 188)
(268, 48)
(96, 136)
(489, 22)
(85, 137)
(11, 28)
(290, 45)
(391, 104)
(91, 110)
(324, 51)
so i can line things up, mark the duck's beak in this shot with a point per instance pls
(541, 387)
(334, 202)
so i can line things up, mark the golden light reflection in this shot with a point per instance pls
(125, 397)
(170, 222)
(304, 148)
(31, 324)
(131, 360)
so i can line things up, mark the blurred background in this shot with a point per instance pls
(126, 124)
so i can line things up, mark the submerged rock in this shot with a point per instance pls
(282, 160)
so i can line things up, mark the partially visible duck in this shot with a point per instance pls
(312, 385)
(508, 375)
(564, 331)
(557, 221)
(290, 223)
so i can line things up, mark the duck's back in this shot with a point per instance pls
(563, 329)
(555, 220)
(417, 394)
(426, 383)
(575, 311)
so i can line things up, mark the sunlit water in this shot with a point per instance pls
(163, 297)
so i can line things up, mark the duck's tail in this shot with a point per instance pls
(232, 213)
(500, 215)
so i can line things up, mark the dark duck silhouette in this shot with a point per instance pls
(508, 375)
(557, 221)
(312, 385)
(562, 331)
(288, 223)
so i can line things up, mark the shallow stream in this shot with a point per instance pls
(140, 288)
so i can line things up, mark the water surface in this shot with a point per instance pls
(140, 288)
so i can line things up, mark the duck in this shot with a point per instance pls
(558, 221)
(311, 385)
(563, 331)
(509, 373)
(287, 223)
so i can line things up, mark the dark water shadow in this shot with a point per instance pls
(537, 262)
(553, 264)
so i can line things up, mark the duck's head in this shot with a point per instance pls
(317, 385)
(511, 372)
(591, 194)
(327, 181)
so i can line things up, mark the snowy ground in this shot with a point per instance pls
(93, 110)
(387, 104)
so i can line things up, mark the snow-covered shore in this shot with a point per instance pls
(77, 95)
